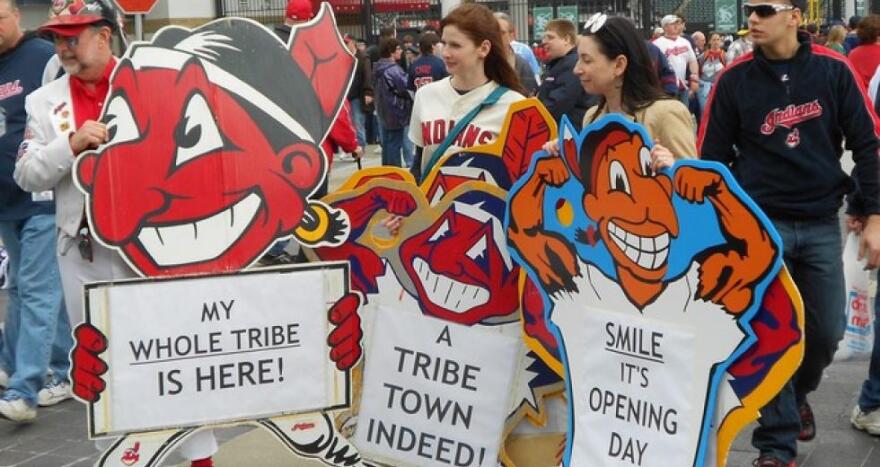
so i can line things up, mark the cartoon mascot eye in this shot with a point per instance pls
(645, 162)
(121, 126)
(441, 231)
(619, 180)
(197, 133)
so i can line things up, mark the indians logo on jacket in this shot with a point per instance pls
(214, 146)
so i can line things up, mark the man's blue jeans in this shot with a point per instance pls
(359, 119)
(813, 255)
(37, 326)
(869, 399)
(392, 145)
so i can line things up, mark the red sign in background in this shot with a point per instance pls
(136, 7)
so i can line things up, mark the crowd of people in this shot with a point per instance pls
(774, 104)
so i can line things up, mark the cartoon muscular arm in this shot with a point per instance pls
(728, 273)
(551, 257)
(366, 264)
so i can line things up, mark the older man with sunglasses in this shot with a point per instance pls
(63, 122)
(777, 117)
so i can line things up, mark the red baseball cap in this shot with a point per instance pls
(299, 10)
(68, 18)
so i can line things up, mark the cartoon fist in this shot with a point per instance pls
(362, 208)
(87, 367)
(724, 279)
(695, 185)
(345, 340)
(552, 171)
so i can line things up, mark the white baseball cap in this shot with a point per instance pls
(669, 19)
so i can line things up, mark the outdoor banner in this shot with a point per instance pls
(213, 155)
(665, 292)
(541, 15)
(726, 16)
(235, 351)
(428, 398)
(449, 261)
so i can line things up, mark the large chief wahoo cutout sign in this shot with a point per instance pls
(448, 264)
(213, 153)
(665, 292)
(215, 146)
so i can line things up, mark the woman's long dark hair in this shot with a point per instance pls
(479, 24)
(641, 85)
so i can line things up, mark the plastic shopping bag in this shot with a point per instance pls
(858, 338)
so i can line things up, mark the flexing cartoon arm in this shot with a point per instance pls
(548, 254)
(362, 208)
(728, 273)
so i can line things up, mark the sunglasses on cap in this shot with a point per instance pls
(765, 10)
(595, 23)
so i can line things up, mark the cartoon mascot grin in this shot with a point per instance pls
(210, 158)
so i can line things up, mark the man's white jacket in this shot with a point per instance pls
(45, 157)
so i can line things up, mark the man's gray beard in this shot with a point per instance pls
(73, 69)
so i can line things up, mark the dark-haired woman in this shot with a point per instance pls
(476, 58)
(614, 64)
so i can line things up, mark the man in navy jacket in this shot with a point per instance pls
(37, 326)
(777, 117)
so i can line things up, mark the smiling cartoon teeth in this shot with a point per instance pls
(647, 252)
(447, 292)
(202, 240)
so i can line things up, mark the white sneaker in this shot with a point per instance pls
(4, 378)
(869, 422)
(16, 409)
(53, 392)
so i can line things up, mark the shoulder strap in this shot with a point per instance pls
(491, 99)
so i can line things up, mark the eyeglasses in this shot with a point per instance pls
(71, 42)
(765, 10)
(595, 23)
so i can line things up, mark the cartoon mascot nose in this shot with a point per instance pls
(116, 225)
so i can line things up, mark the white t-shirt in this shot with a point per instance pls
(679, 52)
(438, 106)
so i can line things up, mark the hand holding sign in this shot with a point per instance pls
(87, 367)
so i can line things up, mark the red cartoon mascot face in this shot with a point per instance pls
(459, 265)
(213, 150)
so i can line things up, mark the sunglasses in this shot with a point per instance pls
(595, 23)
(765, 10)
(71, 42)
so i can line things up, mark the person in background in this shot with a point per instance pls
(770, 116)
(614, 64)
(526, 77)
(836, 36)
(866, 56)
(699, 43)
(393, 101)
(560, 91)
(665, 73)
(852, 37)
(711, 61)
(361, 91)
(428, 67)
(475, 58)
(83, 41)
(681, 56)
(37, 325)
(525, 52)
(741, 46)
(406, 43)
(657, 32)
